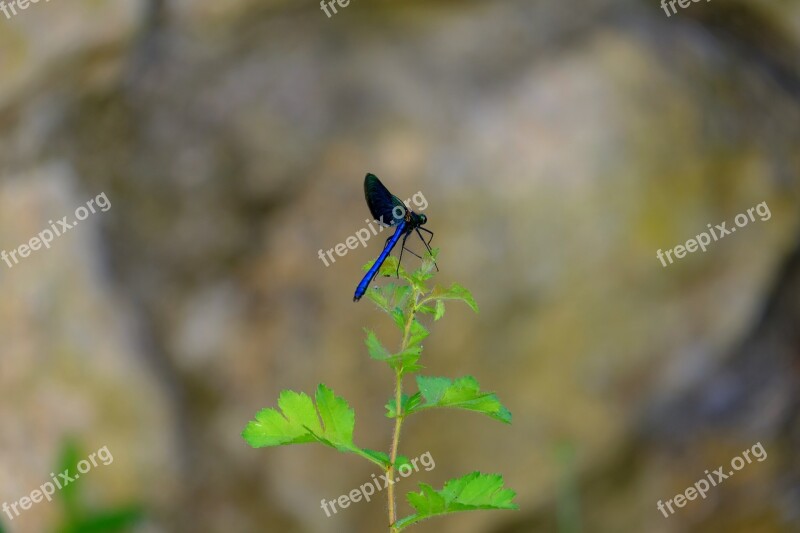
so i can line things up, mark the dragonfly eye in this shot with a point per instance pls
(423, 219)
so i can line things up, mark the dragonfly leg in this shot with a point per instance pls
(427, 245)
(412, 253)
(402, 247)
(427, 231)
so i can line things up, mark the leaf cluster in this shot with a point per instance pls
(331, 420)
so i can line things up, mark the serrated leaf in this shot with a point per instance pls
(439, 313)
(399, 318)
(271, 428)
(418, 279)
(463, 393)
(429, 260)
(472, 492)
(331, 423)
(338, 419)
(384, 459)
(412, 368)
(454, 292)
(390, 296)
(374, 347)
(381, 457)
(402, 460)
(426, 309)
(407, 404)
(417, 333)
(407, 359)
(399, 294)
(389, 269)
(377, 296)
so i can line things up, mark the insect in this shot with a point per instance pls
(389, 210)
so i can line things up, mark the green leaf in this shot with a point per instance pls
(439, 310)
(399, 318)
(472, 492)
(418, 279)
(389, 296)
(375, 348)
(407, 359)
(294, 426)
(377, 296)
(399, 294)
(464, 393)
(378, 457)
(407, 404)
(331, 423)
(338, 419)
(384, 459)
(115, 520)
(417, 333)
(429, 260)
(402, 460)
(426, 309)
(455, 292)
(389, 269)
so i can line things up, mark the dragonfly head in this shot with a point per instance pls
(422, 220)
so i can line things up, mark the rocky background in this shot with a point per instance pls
(559, 145)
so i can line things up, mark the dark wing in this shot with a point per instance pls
(381, 202)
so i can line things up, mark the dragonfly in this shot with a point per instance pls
(389, 210)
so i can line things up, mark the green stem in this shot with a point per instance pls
(398, 421)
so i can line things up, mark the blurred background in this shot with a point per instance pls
(559, 146)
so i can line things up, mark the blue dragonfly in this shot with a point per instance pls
(389, 210)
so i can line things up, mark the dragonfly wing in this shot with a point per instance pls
(381, 202)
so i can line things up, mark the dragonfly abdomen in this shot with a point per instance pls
(373, 271)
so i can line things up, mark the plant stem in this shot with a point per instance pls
(398, 402)
(398, 423)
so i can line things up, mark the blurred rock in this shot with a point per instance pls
(559, 147)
